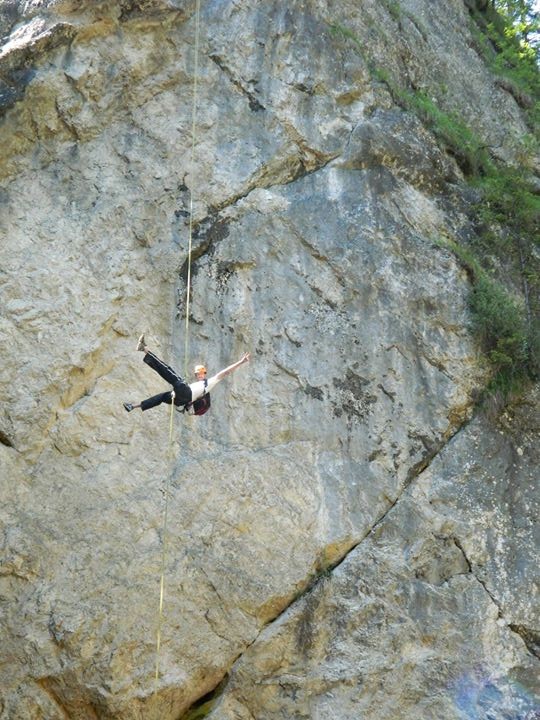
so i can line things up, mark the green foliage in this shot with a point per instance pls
(515, 57)
(508, 198)
(523, 17)
(499, 322)
(508, 216)
(457, 138)
(341, 31)
(467, 257)
(509, 213)
(507, 35)
(393, 8)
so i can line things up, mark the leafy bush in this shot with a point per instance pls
(500, 324)
(509, 213)
(507, 35)
(509, 198)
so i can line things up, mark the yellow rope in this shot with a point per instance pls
(164, 545)
(193, 124)
(164, 539)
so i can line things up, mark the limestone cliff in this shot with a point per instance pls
(346, 538)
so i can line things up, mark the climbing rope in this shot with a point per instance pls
(166, 493)
(164, 544)
(193, 125)
(164, 539)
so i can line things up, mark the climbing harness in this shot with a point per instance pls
(200, 406)
(164, 539)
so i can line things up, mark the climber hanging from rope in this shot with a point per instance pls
(193, 398)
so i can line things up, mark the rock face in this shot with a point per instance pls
(343, 539)
(423, 618)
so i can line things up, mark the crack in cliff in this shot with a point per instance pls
(202, 707)
(323, 570)
(530, 637)
(44, 684)
(6, 440)
(213, 228)
(254, 104)
(460, 548)
(275, 172)
(135, 10)
(493, 599)
(69, 127)
(282, 172)
(83, 707)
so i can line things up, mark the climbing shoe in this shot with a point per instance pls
(141, 345)
(128, 406)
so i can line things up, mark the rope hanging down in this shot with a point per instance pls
(193, 125)
(164, 540)
(186, 350)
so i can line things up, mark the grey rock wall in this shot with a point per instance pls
(318, 211)
(420, 619)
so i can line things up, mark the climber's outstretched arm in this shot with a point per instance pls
(228, 370)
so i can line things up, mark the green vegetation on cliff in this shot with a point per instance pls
(504, 258)
(507, 36)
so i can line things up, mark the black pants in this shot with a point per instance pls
(182, 391)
